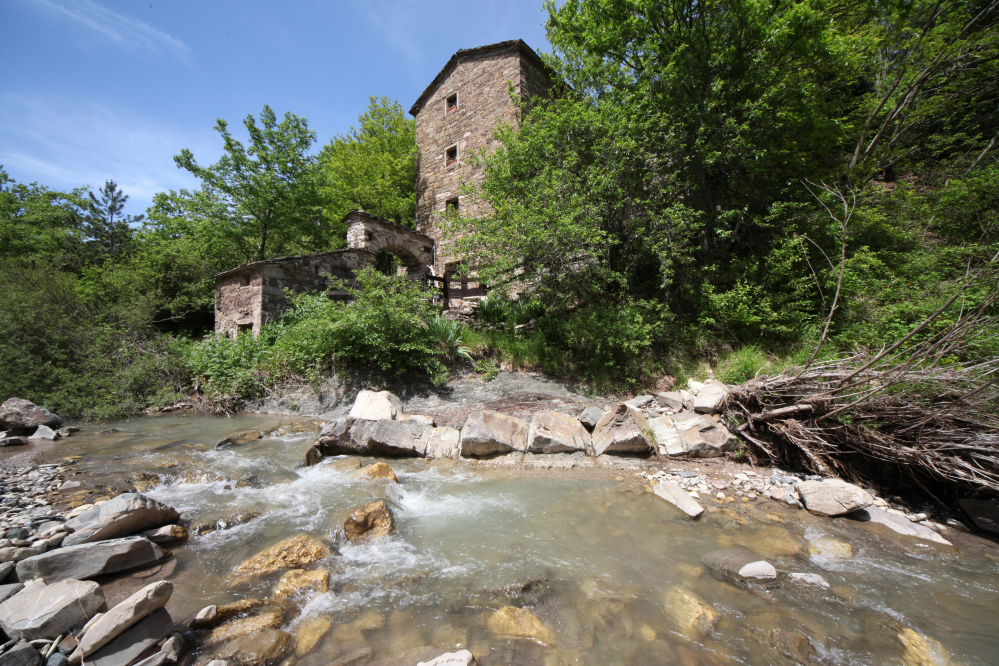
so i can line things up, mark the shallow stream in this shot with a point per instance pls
(606, 566)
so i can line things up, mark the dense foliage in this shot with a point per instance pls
(720, 182)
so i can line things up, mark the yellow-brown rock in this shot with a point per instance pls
(345, 464)
(830, 548)
(298, 580)
(309, 633)
(256, 650)
(692, 614)
(271, 618)
(239, 438)
(921, 650)
(293, 553)
(352, 632)
(513, 621)
(369, 522)
(212, 616)
(379, 470)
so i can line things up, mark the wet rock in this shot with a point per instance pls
(488, 432)
(167, 534)
(21, 654)
(984, 513)
(459, 658)
(239, 438)
(827, 548)
(44, 432)
(269, 618)
(13, 441)
(345, 465)
(553, 432)
(522, 623)
(671, 400)
(709, 399)
(378, 470)
(312, 456)
(590, 417)
(673, 494)
(347, 436)
(124, 515)
(224, 523)
(212, 616)
(91, 559)
(135, 641)
(48, 611)
(792, 644)
(19, 414)
(298, 580)
(7, 591)
(129, 612)
(920, 650)
(833, 497)
(369, 521)
(621, 430)
(353, 632)
(293, 553)
(443, 443)
(355, 658)
(740, 564)
(898, 524)
(397, 438)
(691, 614)
(808, 579)
(376, 406)
(309, 633)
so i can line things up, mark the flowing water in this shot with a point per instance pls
(604, 565)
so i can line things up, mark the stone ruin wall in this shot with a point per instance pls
(413, 249)
(256, 294)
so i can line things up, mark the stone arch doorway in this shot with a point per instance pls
(413, 251)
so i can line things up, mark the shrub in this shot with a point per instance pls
(448, 336)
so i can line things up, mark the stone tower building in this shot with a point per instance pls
(456, 116)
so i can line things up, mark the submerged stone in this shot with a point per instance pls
(520, 622)
(269, 618)
(309, 633)
(692, 615)
(369, 521)
(298, 580)
(291, 553)
(378, 470)
(239, 438)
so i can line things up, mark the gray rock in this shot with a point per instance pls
(91, 559)
(16, 554)
(833, 497)
(443, 443)
(693, 435)
(898, 524)
(18, 533)
(553, 432)
(239, 438)
(5, 570)
(640, 401)
(621, 430)
(590, 417)
(671, 400)
(489, 432)
(984, 513)
(739, 564)
(814, 580)
(398, 439)
(459, 658)
(376, 406)
(166, 534)
(673, 494)
(9, 590)
(44, 432)
(347, 436)
(57, 659)
(127, 647)
(18, 414)
(124, 615)
(170, 653)
(14, 441)
(709, 399)
(21, 654)
(124, 515)
(48, 611)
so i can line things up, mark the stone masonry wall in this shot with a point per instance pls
(237, 301)
(372, 233)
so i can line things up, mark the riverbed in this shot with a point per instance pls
(591, 553)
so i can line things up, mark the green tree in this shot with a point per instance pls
(36, 221)
(373, 167)
(263, 199)
(106, 228)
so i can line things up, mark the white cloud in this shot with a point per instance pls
(123, 30)
(65, 143)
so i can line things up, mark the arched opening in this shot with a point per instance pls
(387, 263)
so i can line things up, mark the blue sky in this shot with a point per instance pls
(113, 89)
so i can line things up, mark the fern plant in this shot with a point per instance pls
(448, 336)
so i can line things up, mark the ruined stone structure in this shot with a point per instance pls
(251, 295)
(456, 117)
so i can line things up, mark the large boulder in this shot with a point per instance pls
(18, 414)
(129, 612)
(676, 496)
(48, 611)
(984, 513)
(293, 553)
(443, 442)
(621, 430)
(488, 432)
(898, 524)
(369, 521)
(739, 564)
(693, 435)
(124, 515)
(348, 436)
(709, 399)
(88, 560)
(44, 432)
(397, 438)
(553, 432)
(376, 406)
(833, 497)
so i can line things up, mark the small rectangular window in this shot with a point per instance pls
(452, 103)
(244, 328)
(451, 206)
(451, 155)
